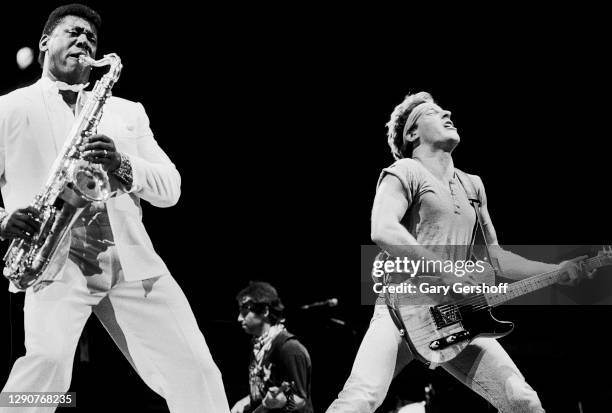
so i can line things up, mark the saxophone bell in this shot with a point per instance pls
(91, 181)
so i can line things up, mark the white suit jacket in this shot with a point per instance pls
(30, 141)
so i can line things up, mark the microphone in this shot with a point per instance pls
(331, 302)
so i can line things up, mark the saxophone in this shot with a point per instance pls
(73, 184)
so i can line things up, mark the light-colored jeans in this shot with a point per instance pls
(484, 366)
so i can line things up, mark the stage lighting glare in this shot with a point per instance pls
(25, 57)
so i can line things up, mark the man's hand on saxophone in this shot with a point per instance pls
(101, 149)
(21, 223)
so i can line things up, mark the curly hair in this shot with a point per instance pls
(395, 127)
(263, 296)
(75, 9)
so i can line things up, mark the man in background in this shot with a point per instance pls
(280, 367)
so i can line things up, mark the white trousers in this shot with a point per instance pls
(150, 321)
(484, 366)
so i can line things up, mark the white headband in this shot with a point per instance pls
(415, 114)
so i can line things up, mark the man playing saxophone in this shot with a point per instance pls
(108, 265)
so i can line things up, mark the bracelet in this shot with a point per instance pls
(124, 171)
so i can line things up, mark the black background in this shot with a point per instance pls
(275, 118)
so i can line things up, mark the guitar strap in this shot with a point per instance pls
(478, 232)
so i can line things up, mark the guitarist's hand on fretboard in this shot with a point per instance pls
(575, 270)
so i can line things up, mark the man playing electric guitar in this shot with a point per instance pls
(280, 367)
(422, 207)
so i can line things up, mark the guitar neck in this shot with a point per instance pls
(536, 282)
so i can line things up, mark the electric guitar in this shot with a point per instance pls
(437, 331)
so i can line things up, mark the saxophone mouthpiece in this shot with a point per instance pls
(108, 59)
(86, 60)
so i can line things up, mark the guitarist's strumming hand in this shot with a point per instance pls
(468, 278)
(275, 399)
(575, 271)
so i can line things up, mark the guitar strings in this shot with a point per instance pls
(476, 303)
